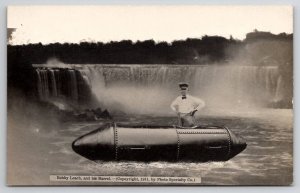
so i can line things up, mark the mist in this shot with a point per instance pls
(150, 90)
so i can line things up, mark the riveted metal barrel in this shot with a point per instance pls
(142, 143)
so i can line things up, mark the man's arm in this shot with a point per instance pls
(174, 105)
(199, 102)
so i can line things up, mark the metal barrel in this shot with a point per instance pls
(159, 143)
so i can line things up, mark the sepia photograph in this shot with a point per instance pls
(149, 95)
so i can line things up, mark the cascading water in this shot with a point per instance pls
(73, 85)
(62, 86)
(151, 88)
(53, 83)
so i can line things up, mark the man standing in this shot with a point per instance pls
(186, 106)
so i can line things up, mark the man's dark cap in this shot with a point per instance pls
(183, 85)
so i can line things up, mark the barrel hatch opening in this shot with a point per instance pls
(137, 148)
(215, 147)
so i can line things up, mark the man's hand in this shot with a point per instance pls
(193, 112)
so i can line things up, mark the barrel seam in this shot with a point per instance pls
(199, 132)
(116, 141)
(178, 145)
(229, 142)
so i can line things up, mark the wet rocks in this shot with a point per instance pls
(93, 114)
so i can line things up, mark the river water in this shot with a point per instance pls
(38, 148)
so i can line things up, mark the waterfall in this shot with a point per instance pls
(42, 85)
(73, 85)
(201, 78)
(53, 83)
(60, 84)
(148, 87)
(39, 84)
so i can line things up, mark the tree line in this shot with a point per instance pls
(191, 51)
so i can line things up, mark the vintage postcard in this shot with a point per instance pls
(150, 95)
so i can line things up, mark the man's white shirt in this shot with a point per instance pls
(187, 105)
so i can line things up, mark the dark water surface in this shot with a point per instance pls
(37, 150)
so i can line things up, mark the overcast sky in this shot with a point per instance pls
(49, 24)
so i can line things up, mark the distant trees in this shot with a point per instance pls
(205, 50)
(208, 49)
(127, 52)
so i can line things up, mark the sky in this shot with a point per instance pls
(73, 24)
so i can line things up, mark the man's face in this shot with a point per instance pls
(183, 92)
